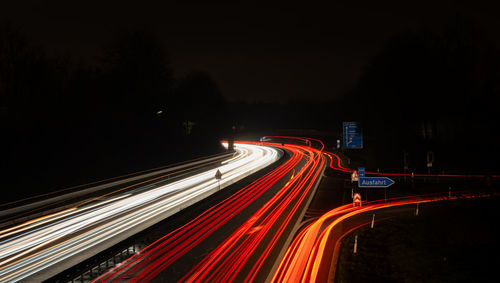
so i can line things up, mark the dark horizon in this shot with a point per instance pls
(116, 85)
(254, 51)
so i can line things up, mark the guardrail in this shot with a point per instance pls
(82, 190)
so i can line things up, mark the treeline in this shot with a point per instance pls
(66, 123)
(433, 91)
(424, 91)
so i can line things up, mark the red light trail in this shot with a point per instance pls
(225, 263)
(309, 257)
(339, 167)
(243, 254)
(261, 231)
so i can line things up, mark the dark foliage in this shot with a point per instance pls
(425, 91)
(429, 91)
(65, 124)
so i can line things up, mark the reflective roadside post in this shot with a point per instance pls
(355, 244)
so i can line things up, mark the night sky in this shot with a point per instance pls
(254, 50)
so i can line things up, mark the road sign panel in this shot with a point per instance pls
(375, 182)
(218, 175)
(353, 136)
(357, 199)
(361, 172)
(354, 176)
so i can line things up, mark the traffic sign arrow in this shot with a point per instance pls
(356, 200)
(375, 182)
(357, 197)
(361, 172)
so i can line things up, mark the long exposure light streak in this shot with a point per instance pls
(243, 253)
(261, 231)
(305, 259)
(339, 167)
(37, 245)
(227, 260)
(41, 247)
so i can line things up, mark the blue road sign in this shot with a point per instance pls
(375, 182)
(353, 136)
(361, 172)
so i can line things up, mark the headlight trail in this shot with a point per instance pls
(38, 247)
(246, 249)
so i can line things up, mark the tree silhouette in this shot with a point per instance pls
(65, 124)
(199, 100)
(25, 77)
(138, 71)
(427, 90)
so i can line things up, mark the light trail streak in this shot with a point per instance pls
(58, 192)
(227, 260)
(34, 246)
(306, 260)
(339, 167)
(256, 238)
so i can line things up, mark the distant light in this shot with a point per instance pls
(159, 112)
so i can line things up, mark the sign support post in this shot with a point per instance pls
(218, 176)
(430, 160)
(405, 164)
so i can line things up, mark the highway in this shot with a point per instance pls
(40, 248)
(239, 238)
(230, 242)
(245, 236)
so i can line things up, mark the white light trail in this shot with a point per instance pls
(45, 244)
